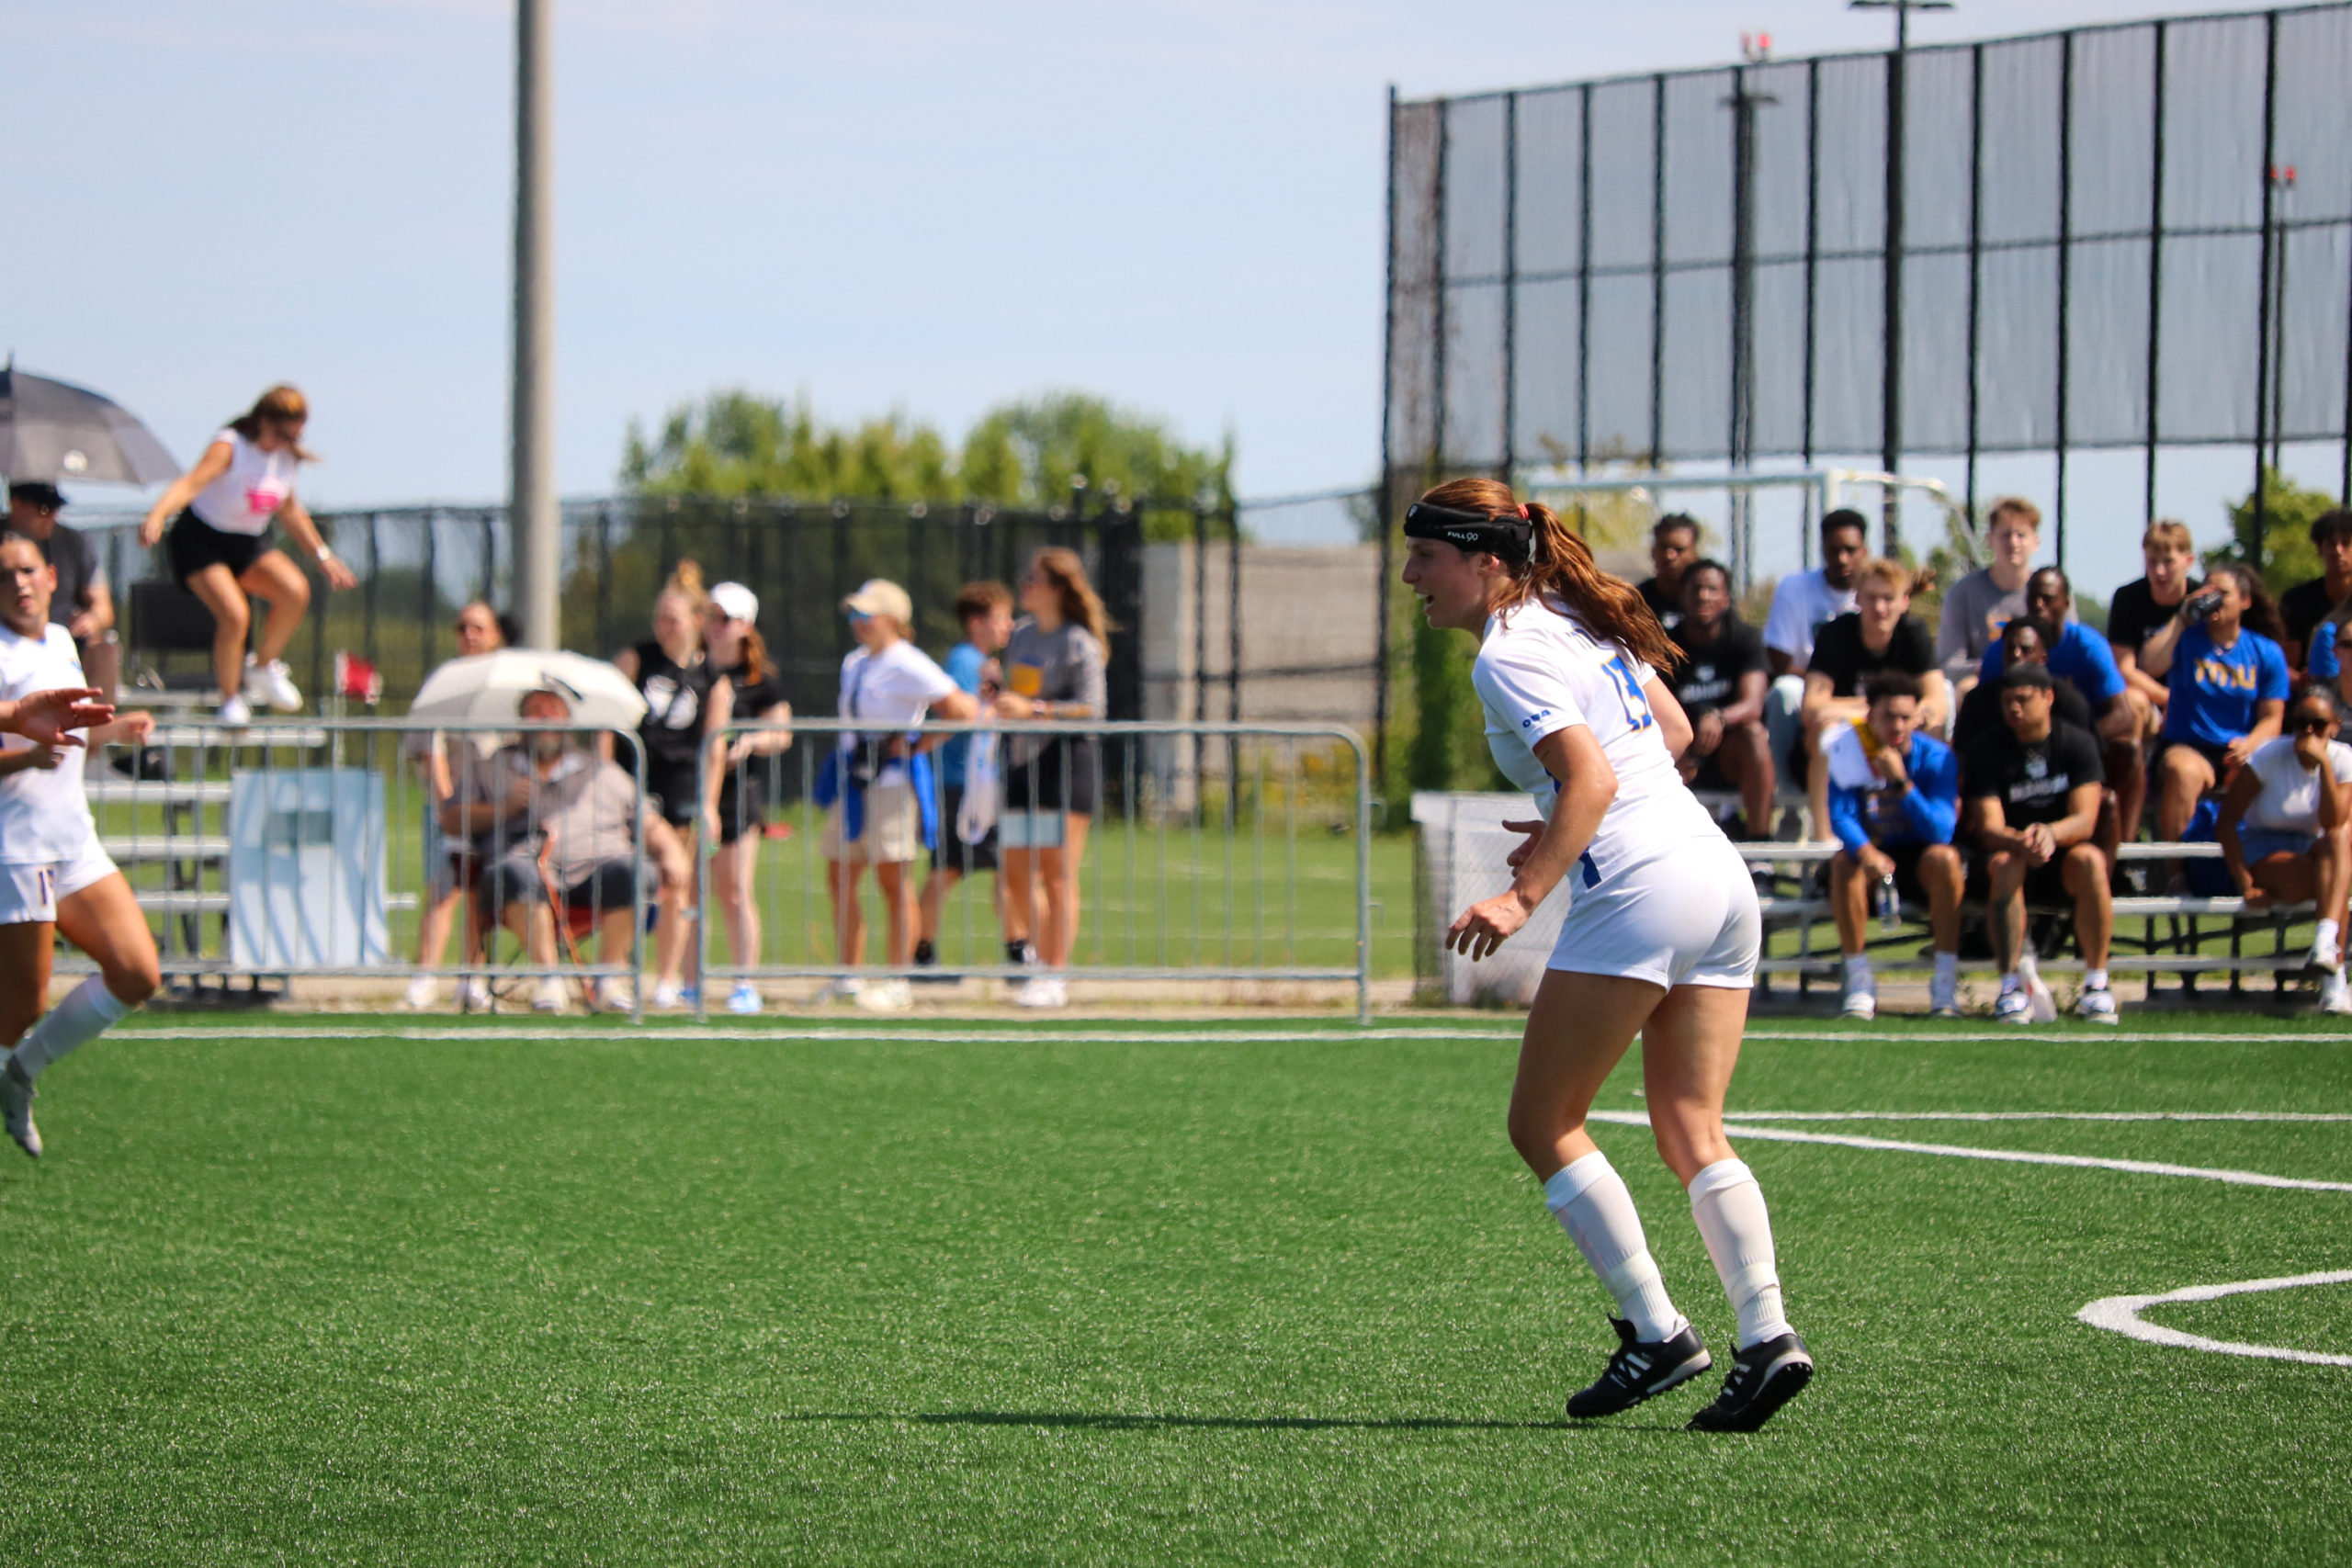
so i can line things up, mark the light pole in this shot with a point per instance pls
(1744, 102)
(531, 514)
(1891, 392)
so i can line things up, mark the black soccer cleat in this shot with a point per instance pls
(1639, 1370)
(1763, 1377)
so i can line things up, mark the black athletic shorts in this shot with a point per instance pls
(2045, 885)
(514, 879)
(1906, 858)
(2219, 756)
(741, 810)
(191, 544)
(675, 792)
(953, 853)
(1067, 776)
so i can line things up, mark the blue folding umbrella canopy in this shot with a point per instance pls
(54, 430)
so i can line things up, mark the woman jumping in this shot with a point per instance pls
(219, 547)
(1660, 939)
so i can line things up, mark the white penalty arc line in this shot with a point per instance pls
(2121, 1315)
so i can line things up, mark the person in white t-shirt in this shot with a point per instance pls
(2286, 829)
(1661, 937)
(1803, 604)
(876, 815)
(54, 873)
(219, 547)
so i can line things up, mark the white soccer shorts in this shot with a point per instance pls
(1687, 918)
(29, 893)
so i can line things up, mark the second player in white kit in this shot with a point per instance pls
(1660, 939)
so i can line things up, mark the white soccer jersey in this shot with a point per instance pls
(44, 815)
(1539, 672)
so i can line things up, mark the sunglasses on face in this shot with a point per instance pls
(2312, 722)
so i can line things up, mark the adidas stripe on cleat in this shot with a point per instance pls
(1765, 1376)
(1639, 1371)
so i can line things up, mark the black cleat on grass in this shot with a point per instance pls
(1765, 1376)
(1640, 1370)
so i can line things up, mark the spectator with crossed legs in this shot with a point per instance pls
(2221, 656)
(2286, 829)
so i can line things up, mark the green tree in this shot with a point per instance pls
(2288, 511)
(1026, 454)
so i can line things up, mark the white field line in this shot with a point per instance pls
(2044, 1115)
(947, 1032)
(2011, 1157)
(2122, 1315)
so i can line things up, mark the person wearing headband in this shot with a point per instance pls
(1660, 937)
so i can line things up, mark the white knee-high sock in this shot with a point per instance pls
(1729, 1208)
(88, 1011)
(1592, 1203)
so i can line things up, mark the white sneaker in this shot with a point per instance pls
(2336, 995)
(745, 999)
(272, 684)
(2014, 1007)
(1043, 991)
(1862, 1005)
(2096, 1006)
(2326, 960)
(235, 714)
(548, 996)
(17, 1096)
(473, 993)
(615, 996)
(841, 990)
(668, 998)
(419, 995)
(887, 995)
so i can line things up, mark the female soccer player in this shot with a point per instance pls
(54, 874)
(219, 547)
(1660, 939)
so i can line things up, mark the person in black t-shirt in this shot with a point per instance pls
(675, 678)
(1878, 634)
(1720, 681)
(2031, 792)
(746, 689)
(1674, 544)
(2138, 611)
(2025, 641)
(83, 604)
(2306, 604)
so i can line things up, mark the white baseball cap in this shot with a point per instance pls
(736, 601)
(880, 596)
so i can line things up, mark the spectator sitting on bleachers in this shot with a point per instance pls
(2302, 608)
(1674, 544)
(1720, 682)
(2081, 657)
(2137, 612)
(2033, 789)
(2221, 656)
(1878, 634)
(1803, 604)
(1980, 604)
(580, 813)
(2286, 829)
(2327, 643)
(1893, 801)
(2025, 641)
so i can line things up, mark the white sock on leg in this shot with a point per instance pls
(2326, 940)
(88, 1011)
(1860, 976)
(1589, 1200)
(1729, 1208)
(1946, 984)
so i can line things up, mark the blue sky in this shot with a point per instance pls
(903, 205)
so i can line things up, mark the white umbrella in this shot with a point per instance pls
(488, 688)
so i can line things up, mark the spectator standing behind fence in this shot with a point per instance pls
(458, 793)
(1877, 635)
(1987, 599)
(1801, 605)
(674, 677)
(1674, 545)
(876, 787)
(2138, 611)
(2286, 829)
(746, 688)
(2304, 608)
(1894, 802)
(985, 612)
(220, 513)
(1720, 682)
(1055, 670)
(83, 604)
(2220, 654)
(2025, 641)
(2033, 791)
(578, 814)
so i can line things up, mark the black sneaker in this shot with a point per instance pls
(1019, 953)
(1639, 1370)
(927, 958)
(1764, 1377)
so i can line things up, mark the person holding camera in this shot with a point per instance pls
(880, 808)
(2220, 659)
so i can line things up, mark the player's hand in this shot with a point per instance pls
(1890, 766)
(2040, 843)
(2257, 897)
(150, 530)
(2238, 750)
(1706, 733)
(1012, 705)
(131, 729)
(50, 716)
(1533, 833)
(337, 574)
(82, 627)
(1483, 926)
(2310, 749)
(1876, 862)
(45, 758)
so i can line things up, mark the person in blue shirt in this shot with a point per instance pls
(985, 612)
(1894, 802)
(2221, 656)
(2321, 659)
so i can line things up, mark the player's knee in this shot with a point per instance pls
(1537, 1134)
(232, 618)
(134, 979)
(295, 590)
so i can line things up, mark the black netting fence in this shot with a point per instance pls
(2134, 236)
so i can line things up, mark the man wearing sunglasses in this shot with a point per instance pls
(83, 604)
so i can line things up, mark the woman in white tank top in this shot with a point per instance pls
(1660, 939)
(219, 547)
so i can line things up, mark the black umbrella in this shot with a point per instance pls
(54, 430)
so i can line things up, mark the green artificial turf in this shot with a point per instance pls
(1040, 1295)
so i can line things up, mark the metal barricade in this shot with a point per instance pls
(314, 847)
(1213, 851)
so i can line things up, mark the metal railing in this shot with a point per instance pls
(311, 846)
(1214, 852)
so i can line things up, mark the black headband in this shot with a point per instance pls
(1508, 538)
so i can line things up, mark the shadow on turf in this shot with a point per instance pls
(1113, 1422)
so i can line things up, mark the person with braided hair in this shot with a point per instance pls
(1661, 937)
